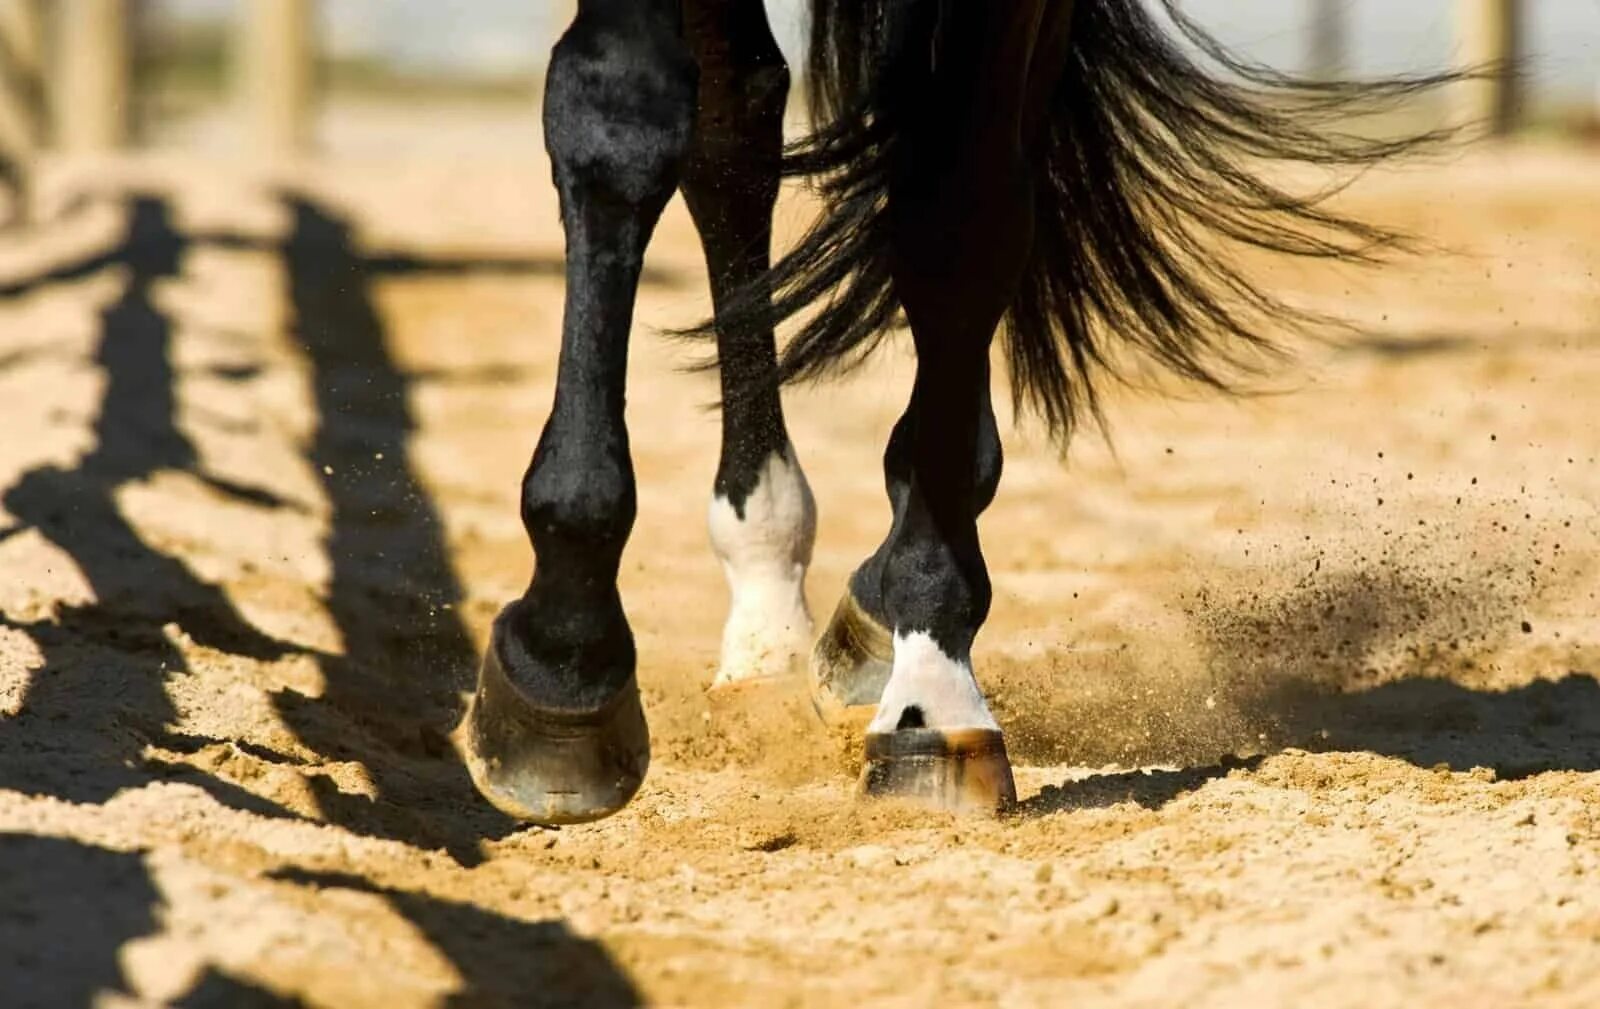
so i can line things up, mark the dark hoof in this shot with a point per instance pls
(553, 765)
(850, 665)
(961, 770)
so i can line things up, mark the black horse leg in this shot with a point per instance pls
(556, 733)
(851, 661)
(762, 516)
(961, 210)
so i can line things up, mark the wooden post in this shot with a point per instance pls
(90, 96)
(1491, 43)
(275, 74)
(22, 94)
(22, 103)
(1327, 41)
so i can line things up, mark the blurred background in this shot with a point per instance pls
(347, 76)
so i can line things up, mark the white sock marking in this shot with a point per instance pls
(764, 556)
(942, 687)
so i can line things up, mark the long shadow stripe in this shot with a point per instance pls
(392, 697)
(99, 696)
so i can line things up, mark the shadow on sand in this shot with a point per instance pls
(99, 697)
(66, 911)
(502, 960)
(98, 700)
(392, 697)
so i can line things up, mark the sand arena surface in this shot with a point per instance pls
(1298, 685)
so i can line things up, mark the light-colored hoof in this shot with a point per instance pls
(548, 765)
(850, 666)
(764, 649)
(764, 544)
(960, 770)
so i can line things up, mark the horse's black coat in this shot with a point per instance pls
(619, 109)
(1059, 170)
(866, 584)
(730, 183)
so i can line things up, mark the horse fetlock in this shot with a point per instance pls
(930, 688)
(578, 500)
(764, 541)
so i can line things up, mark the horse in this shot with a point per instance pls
(1067, 174)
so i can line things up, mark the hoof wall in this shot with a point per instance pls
(961, 770)
(552, 766)
(850, 666)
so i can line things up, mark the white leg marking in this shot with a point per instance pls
(764, 556)
(942, 688)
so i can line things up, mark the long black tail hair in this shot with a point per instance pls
(1148, 168)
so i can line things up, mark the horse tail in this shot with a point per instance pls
(1147, 180)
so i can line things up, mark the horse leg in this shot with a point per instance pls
(851, 661)
(960, 208)
(555, 733)
(932, 736)
(762, 516)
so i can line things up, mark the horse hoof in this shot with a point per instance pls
(850, 666)
(960, 770)
(553, 766)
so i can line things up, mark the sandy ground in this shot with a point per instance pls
(1298, 685)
